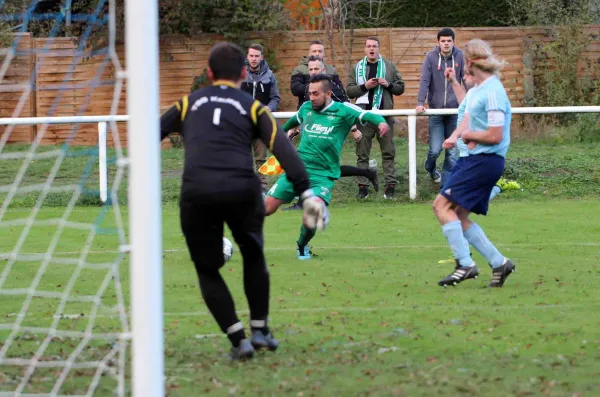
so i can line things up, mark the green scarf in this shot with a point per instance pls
(361, 78)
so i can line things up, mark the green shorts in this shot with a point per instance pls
(284, 190)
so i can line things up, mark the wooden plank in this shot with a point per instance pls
(183, 59)
(18, 73)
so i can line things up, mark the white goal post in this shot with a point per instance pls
(409, 113)
(144, 191)
(65, 356)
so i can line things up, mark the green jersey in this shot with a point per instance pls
(324, 133)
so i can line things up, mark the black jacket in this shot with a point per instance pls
(301, 79)
(338, 93)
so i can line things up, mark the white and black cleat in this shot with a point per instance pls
(501, 273)
(460, 274)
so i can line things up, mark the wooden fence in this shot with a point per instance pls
(67, 84)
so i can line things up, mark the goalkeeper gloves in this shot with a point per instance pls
(316, 214)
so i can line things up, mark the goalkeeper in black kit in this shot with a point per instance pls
(218, 124)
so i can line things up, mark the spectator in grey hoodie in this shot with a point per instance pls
(261, 83)
(434, 88)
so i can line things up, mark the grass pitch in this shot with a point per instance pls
(364, 317)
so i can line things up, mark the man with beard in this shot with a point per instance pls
(317, 66)
(261, 83)
(326, 126)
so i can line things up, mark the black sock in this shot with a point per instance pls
(348, 170)
(260, 325)
(236, 333)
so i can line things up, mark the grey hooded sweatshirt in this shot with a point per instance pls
(262, 85)
(434, 86)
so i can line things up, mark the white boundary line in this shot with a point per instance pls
(349, 247)
(174, 207)
(359, 309)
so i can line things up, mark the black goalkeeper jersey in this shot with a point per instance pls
(218, 124)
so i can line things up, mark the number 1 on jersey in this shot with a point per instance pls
(217, 116)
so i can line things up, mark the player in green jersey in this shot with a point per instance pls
(326, 124)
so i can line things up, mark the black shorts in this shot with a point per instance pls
(202, 222)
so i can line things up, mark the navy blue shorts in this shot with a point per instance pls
(472, 180)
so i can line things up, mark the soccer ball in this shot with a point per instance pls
(227, 249)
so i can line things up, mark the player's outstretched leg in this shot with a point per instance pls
(246, 224)
(280, 193)
(508, 184)
(495, 191)
(272, 204)
(370, 174)
(503, 185)
(465, 269)
(294, 207)
(462, 214)
(502, 267)
(306, 235)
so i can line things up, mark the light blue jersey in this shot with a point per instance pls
(489, 106)
(463, 150)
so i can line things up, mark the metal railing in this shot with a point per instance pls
(409, 113)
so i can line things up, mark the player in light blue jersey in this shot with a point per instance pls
(463, 150)
(485, 129)
(463, 97)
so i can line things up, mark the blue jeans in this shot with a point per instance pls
(440, 129)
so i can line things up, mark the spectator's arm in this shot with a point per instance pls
(298, 84)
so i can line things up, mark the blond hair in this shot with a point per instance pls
(480, 54)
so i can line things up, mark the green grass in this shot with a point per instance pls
(364, 317)
(549, 170)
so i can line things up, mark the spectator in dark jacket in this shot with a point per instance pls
(317, 66)
(261, 83)
(301, 77)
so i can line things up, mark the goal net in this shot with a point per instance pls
(67, 323)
